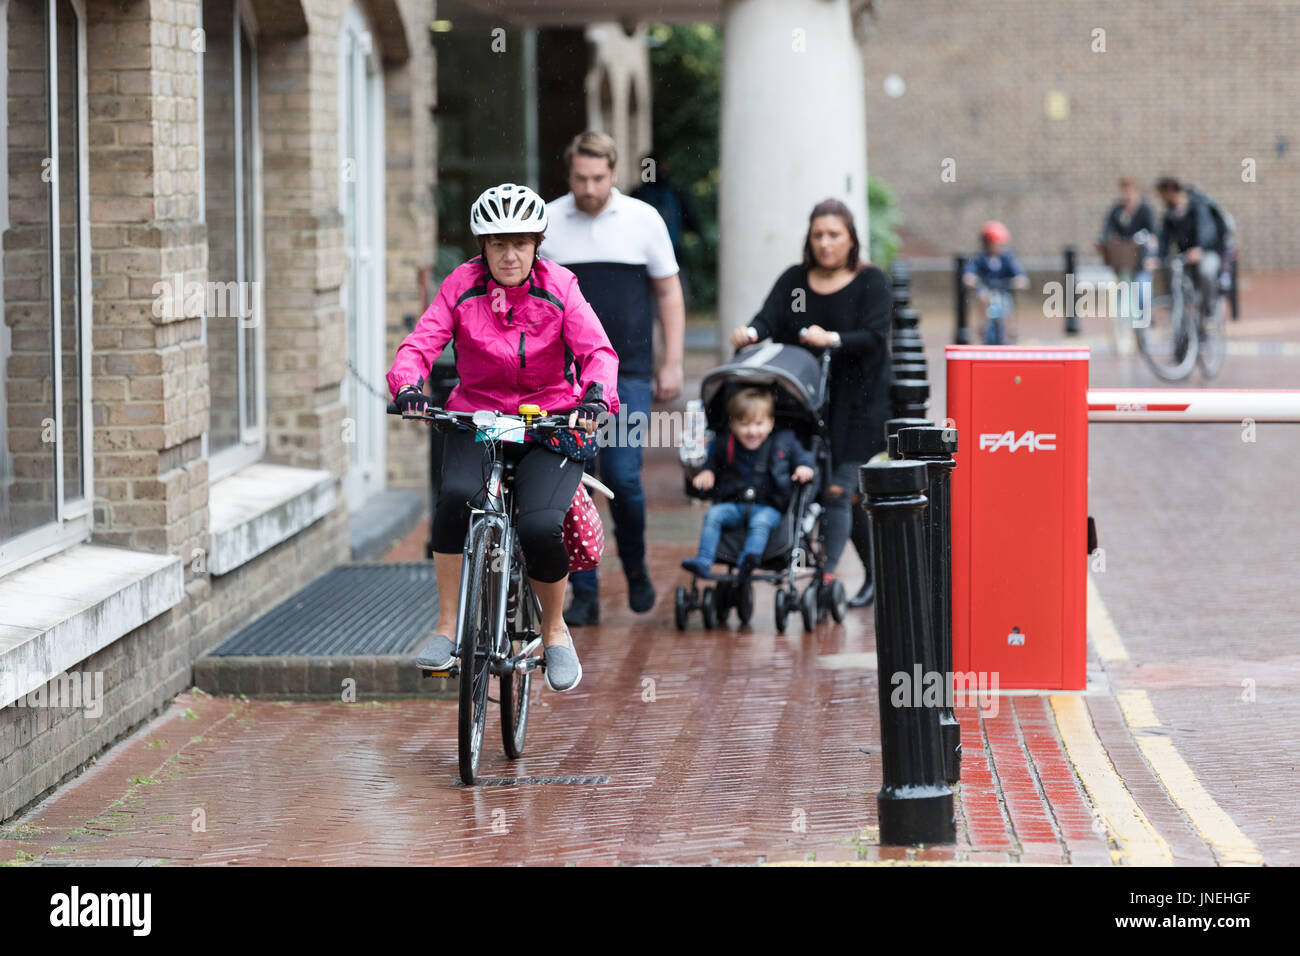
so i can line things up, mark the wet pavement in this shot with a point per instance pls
(742, 745)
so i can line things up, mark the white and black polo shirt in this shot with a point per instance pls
(615, 255)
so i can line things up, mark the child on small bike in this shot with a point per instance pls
(751, 472)
(995, 271)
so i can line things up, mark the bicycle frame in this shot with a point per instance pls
(497, 511)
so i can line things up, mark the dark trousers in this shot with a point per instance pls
(544, 487)
(620, 469)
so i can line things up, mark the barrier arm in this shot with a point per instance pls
(1193, 405)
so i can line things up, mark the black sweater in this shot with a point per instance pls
(859, 374)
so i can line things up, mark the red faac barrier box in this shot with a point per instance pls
(1020, 514)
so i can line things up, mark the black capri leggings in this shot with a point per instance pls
(544, 487)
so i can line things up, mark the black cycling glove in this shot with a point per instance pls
(411, 398)
(593, 403)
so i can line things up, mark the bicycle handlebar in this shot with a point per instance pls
(444, 419)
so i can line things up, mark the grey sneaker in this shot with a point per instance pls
(563, 669)
(438, 655)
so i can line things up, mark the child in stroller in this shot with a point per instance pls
(791, 555)
(751, 472)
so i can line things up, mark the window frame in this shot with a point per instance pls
(73, 520)
(251, 444)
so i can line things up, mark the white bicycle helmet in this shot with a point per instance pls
(507, 209)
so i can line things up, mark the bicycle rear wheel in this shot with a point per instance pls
(516, 688)
(476, 648)
(1168, 343)
(1213, 340)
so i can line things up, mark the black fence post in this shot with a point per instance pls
(935, 447)
(1071, 320)
(962, 336)
(914, 804)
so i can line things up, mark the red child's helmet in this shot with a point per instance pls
(994, 231)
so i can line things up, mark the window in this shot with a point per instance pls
(45, 428)
(232, 208)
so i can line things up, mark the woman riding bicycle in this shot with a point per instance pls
(524, 334)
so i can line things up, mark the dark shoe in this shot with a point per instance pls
(640, 592)
(746, 565)
(698, 567)
(584, 611)
(866, 594)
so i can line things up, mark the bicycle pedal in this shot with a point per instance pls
(447, 673)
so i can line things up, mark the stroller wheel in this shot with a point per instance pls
(706, 608)
(808, 607)
(782, 609)
(839, 601)
(722, 603)
(745, 601)
(681, 608)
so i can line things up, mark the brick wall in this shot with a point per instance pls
(411, 220)
(152, 382)
(1184, 87)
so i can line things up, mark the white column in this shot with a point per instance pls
(794, 132)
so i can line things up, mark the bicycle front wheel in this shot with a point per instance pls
(475, 651)
(1214, 341)
(516, 687)
(1168, 343)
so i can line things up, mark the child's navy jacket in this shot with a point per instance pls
(767, 469)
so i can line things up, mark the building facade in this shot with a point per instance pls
(216, 220)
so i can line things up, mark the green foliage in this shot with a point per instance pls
(686, 63)
(882, 211)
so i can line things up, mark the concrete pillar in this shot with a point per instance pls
(794, 132)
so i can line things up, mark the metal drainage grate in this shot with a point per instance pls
(352, 609)
(536, 781)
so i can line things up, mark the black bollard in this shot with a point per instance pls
(915, 371)
(909, 398)
(900, 281)
(935, 447)
(914, 804)
(962, 336)
(1071, 320)
(894, 425)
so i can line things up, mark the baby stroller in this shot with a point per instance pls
(793, 555)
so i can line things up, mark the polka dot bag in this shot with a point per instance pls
(584, 537)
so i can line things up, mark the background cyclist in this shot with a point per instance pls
(1189, 227)
(995, 262)
(524, 334)
(1128, 237)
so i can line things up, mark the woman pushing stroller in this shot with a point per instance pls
(751, 472)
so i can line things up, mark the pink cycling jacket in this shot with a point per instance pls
(536, 343)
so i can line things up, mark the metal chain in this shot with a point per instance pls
(382, 396)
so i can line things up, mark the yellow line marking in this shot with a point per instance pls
(1139, 843)
(1226, 840)
(1137, 709)
(1105, 638)
(1215, 827)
